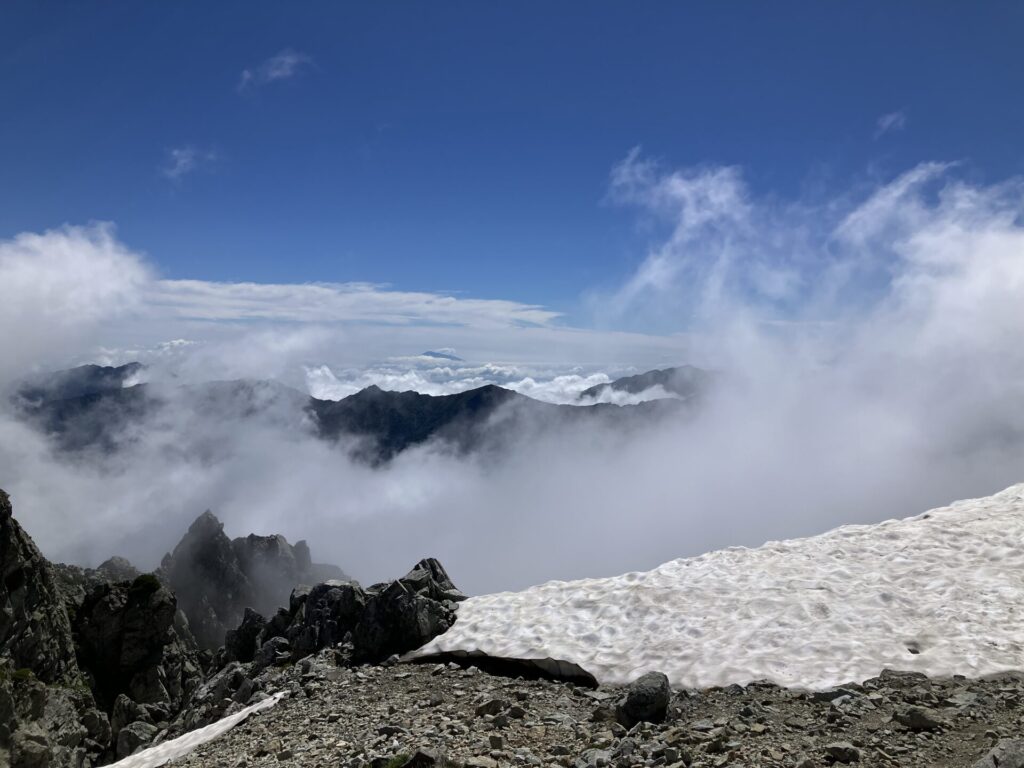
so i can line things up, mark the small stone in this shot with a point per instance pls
(492, 707)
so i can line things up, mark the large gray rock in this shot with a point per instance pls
(1008, 753)
(646, 700)
(242, 643)
(133, 737)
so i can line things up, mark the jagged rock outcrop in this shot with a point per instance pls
(90, 668)
(217, 579)
(203, 570)
(48, 716)
(130, 644)
(363, 625)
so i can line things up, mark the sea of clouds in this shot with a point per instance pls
(869, 341)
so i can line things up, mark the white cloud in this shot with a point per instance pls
(181, 161)
(282, 66)
(59, 287)
(891, 122)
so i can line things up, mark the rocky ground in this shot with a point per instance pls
(422, 715)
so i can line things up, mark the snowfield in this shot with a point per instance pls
(940, 593)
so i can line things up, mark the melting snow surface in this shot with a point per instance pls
(940, 593)
(175, 748)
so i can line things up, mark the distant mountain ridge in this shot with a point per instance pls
(685, 381)
(91, 409)
(77, 382)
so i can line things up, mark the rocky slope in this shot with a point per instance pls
(97, 663)
(423, 715)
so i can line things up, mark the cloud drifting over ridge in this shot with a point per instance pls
(874, 369)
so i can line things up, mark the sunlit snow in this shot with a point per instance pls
(940, 593)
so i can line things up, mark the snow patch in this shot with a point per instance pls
(181, 746)
(941, 593)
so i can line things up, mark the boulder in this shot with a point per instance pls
(645, 700)
(133, 737)
(242, 643)
(276, 650)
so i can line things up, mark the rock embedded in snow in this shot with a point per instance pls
(938, 593)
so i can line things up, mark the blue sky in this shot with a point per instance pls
(467, 147)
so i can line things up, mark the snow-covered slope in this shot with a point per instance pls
(940, 593)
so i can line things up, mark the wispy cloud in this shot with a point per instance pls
(893, 121)
(336, 303)
(282, 66)
(181, 161)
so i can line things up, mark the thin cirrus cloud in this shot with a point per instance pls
(334, 303)
(182, 161)
(284, 65)
(890, 123)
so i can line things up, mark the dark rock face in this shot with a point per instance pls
(129, 645)
(48, 715)
(646, 700)
(84, 659)
(217, 579)
(397, 620)
(32, 635)
(242, 643)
